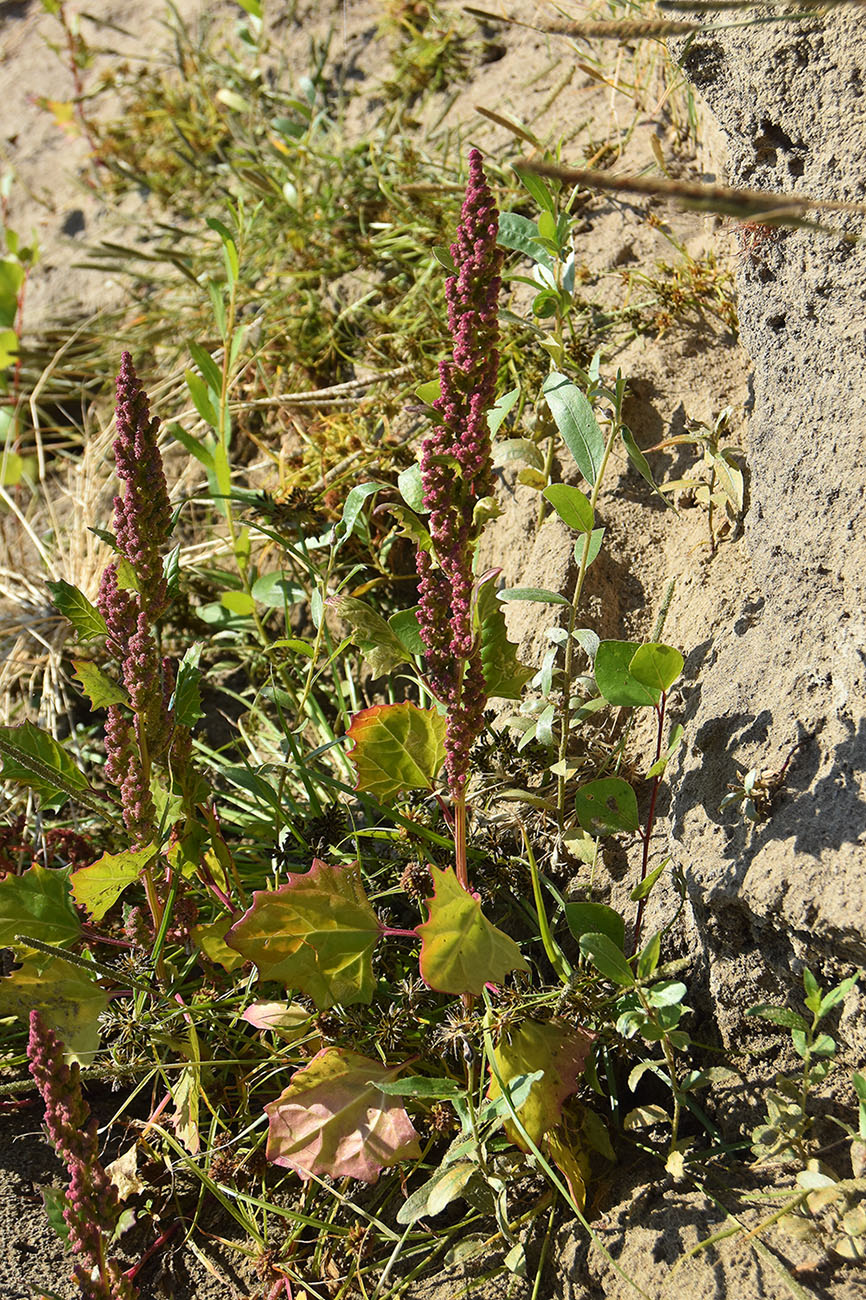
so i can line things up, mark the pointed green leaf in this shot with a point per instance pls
(461, 950)
(99, 688)
(783, 1016)
(411, 488)
(571, 505)
(98, 887)
(206, 364)
(376, 640)
(33, 758)
(201, 398)
(432, 1197)
(410, 525)
(333, 1120)
(656, 666)
(596, 538)
(643, 889)
(614, 679)
(37, 903)
(186, 700)
(521, 234)
(497, 413)
(641, 464)
(543, 596)
(559, 1052)
(607, 806)
(316, 933)
(74, 606)
(66, 997)
(607, 959)
(504, 674)
(405, 626)
(574, 419)
(595, 918)
(396, 747)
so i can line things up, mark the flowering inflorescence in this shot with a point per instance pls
(456, 473)
(133, 594)
(92, 1208)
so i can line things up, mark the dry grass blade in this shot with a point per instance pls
(745, 205)
(593, 29)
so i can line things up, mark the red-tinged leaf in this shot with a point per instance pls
(288, 1019)
(560, 1051)
(98, 887)
(315, 933)
(461, 950)
(334, 1120)
(396, 747)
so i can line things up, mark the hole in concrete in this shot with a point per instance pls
(777, 323)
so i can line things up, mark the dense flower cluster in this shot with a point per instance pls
(456, 472)
(132, 595)
(92, 1208)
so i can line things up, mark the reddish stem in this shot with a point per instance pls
(163, 1237)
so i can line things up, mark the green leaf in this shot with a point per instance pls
(421, 1085)
(276, 591)
(201, 398)
(643, 889)
(521, 234)
(66, 997)
(649, 958)
(543, 596)
(99, 688)
(607, 806)
(497, 413)
(405, 626)
(537, 188)
(38, 904)
(559, 1052)
(352, 508)
(315, 933)
(656, 666)
(431, 1198)
(238, 602)
(595, 918)
(443, 256)
(596, 538)
(675, 741)
(411, 488)
(333, 1120)
(202, 454)
(98, 887)
(33, 758)
(186, 700)
(575, 421)
(74, 606)
(783, 1016)
(430, 391)
(504, 674)
(614, 679)
(836, 995)
(410, 525)
(461, 950)
(517, 449)
(607, 958)
(396, 747)
(208, 367)
(377, 641)
(571, 505)
(641, 464)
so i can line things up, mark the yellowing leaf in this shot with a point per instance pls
(396, 747)
(98, 887)
(461, 950)
(37, 904)
(573, 1165)
(288, 1019)
(211, 940)
(186, 1106)
(556, 1049)
(99, 688)
(316, 933)
(123, 1172)
(65, 996)
(333, 1119)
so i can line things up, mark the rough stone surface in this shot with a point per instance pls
(788, 668)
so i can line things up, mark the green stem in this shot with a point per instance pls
(568, 672)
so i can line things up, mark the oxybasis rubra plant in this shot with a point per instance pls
(456, 476)
(92, 1208)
